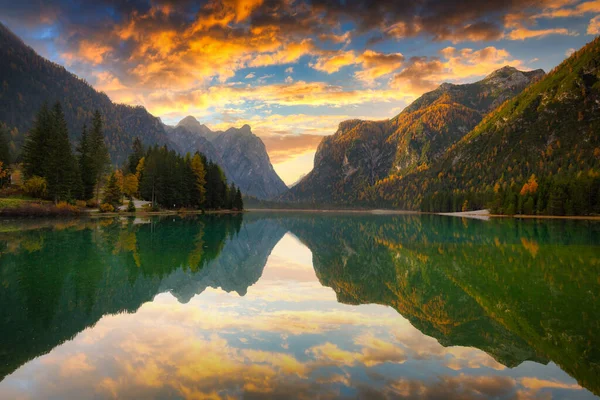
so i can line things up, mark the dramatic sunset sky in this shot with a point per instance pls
(294, 69)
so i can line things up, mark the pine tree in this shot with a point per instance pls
(61, 173)
(231, 197)
(135, 157)
(238, 203)
(4, 148)
(112, 192)
(86, 169)
(197, 166)
(36, 147)
(98, 152)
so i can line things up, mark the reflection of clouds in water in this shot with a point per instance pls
(287, 336)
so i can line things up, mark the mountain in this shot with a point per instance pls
(240, 153)
(537, 153)
(192, 125)
(361, 153)
(245, 157)
(28, 80)
(185, 139)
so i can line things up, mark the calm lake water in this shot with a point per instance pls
(300, 306)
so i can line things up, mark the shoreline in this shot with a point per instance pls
(479, 215)
(466, 214)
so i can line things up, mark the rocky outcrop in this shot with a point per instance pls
(248, 163)
(240, 153)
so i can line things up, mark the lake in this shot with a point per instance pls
(300, 305)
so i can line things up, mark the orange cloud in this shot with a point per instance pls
(537, 384)
(284, 147)
(524, 33)
(594, 26)
(88, 51)
(564, 11)
(423, 74)
(374, 64)
(334, 61)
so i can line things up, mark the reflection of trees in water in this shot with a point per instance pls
(519, 290)
(60, 279)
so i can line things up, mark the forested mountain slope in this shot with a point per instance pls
(361, 153)
(537, 153)
(29, 80)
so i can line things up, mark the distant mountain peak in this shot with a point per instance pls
(244, 130)
(506, 70)
(512, 74)
(189, 122)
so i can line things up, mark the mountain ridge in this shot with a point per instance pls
(547, 135)
(242, 155)
(361, 153)
(35, 80)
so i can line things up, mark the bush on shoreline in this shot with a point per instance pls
(31, 209)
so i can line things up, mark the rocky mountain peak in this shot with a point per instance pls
(191, 123)
(244, 130)
(510, 77)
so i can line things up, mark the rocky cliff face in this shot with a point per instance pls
(241, 154)
(183, 141)
(362, 153)
(248, 163)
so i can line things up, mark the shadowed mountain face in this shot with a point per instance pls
(361, 153)
(35, 80)
(240, 153)
(518, 290)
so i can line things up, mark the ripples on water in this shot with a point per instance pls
(300, 306)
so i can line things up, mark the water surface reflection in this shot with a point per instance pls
(302, 306)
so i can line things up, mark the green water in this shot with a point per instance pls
(300, 306)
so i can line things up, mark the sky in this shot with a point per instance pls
(293, 70)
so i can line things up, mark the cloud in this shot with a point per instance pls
(94, 53)
(565, 10)
(376, 65)
(594, 26)
(251, 75)
(537, 384)
(284, 147)
(334, 61)
(423, 73)
(524, 33)
(373, 64)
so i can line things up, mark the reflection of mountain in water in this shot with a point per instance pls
(60, 281)
(519, 290)
(239, 265)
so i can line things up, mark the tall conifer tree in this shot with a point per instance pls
(36, 147)
(61, 174)
(99, 158)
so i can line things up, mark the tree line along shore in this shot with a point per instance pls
(52, 176)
